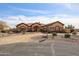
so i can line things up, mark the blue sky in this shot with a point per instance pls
(14, 13)
(37, 9)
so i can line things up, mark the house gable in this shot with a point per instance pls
(21, 24)
(55, 26)
(55, 23)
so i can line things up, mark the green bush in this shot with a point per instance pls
(67, 35)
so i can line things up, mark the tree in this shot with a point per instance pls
(71, 27)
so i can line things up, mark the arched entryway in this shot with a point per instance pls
(22, 27)
(36, 27)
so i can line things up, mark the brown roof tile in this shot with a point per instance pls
(54, 23)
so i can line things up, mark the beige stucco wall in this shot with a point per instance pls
(54, 27)
(22, 26)
(39, 27)
(56, 24)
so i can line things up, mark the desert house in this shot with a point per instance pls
(22, 27)
(55, 26)
(37, 26)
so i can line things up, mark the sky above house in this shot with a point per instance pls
(15, 13)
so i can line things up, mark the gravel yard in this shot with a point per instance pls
(13, 38)
(29, 45)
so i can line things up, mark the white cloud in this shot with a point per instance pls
(14, 20)
(68, 5)
(71, 6)
(30, 10)
(33, 11)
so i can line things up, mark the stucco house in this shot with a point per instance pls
(55, 26)
(22, 26)
(37, 26)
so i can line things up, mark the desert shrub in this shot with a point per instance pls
(54, 34)
(72, 30)
(3, 31)
(67, 35)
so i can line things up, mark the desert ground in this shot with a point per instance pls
(29, 45)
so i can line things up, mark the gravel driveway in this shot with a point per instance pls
(49, 47)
